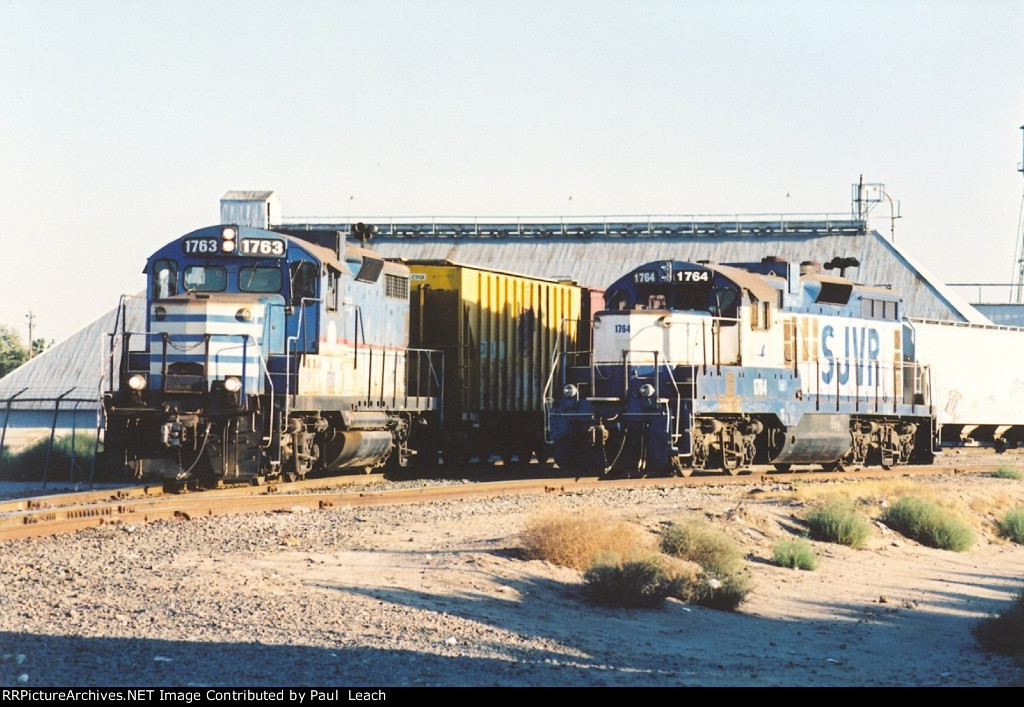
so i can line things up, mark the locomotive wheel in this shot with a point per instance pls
(524, 456)
(543, 452)
(783, 468)
(732, 462)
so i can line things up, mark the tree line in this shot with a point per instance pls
(13, 351)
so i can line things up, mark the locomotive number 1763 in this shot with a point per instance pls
(261, 246)
(271, 247)
(193, 246)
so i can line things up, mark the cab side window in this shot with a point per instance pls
(303, 277)
(165, 279)
(724, 303)
(333, 276)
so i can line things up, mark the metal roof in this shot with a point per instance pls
(254, 195)
(73, 368)
(597, 262)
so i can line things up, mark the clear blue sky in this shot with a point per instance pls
(123, 122)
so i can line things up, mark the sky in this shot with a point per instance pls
(123, 123)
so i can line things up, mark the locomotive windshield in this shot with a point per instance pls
(260, 278)
(206, 278)
(680, 296)
(220, 278)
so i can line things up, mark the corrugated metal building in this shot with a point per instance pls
(61, 386)
(595, 254)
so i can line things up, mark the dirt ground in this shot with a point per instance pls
(892, 613)
(441, 595)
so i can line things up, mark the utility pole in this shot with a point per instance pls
(31, 318)
(865, 196)
(1018, 260)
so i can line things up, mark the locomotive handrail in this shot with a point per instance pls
(608, 226)
(288, 361)
(168, 340)
(245, 339)
(436, 379)
(669, 419)
(120, 329)
(881, 372)
(357, 328)
(123, 367)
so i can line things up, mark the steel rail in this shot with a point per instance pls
(35, 520)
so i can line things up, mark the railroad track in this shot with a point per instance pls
(71, 512)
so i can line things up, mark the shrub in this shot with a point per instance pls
(1012, 526)
(1003, 634)
(795, 553)
(721, 584)
(1008, 472)
(30, 463)
(700, 543)
(576, 539)
(836, 521)
(723, 593)
(928, 524)
(638, 582)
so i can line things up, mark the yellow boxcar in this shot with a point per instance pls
(500, 333)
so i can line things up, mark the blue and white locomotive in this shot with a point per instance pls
(720, 367)
(267, 355)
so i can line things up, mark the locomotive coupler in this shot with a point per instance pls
(173, 432)
(170, 434)
(598, 435)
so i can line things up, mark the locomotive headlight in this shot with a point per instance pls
(646, 390)
(137, 382)
(159, 314)
(232, 384)
(227, 239)
(570, 391)
(243, 315)
(597, 323)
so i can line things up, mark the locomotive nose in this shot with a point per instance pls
(203, 343)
